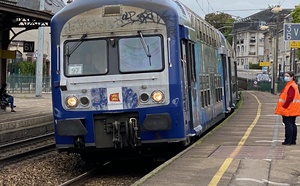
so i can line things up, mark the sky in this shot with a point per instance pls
(236, 8)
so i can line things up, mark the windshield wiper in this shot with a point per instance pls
(75, 46)
(145, 46)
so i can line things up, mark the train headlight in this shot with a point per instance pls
(71, 101)
(144, 97)
(158, 96)
(84, 101)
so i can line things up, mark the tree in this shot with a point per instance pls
(296, 14)
(26, 68)
(223, 22)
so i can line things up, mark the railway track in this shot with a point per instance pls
(81, 179)
(18, 150)
(115, 172)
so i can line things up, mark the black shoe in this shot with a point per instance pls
(284, 143)
(294, 143)
(13, 111)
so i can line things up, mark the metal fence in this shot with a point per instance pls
(252, 84)
(26, 84)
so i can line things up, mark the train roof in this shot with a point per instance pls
(78, 7)
(183, 12)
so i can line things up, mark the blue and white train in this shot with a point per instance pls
(129, 74)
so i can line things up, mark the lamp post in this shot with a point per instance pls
(275, 30)
(276, 10)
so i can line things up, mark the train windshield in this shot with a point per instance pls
(140, 54)
(87, 57)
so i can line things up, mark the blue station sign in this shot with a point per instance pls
(291, 31)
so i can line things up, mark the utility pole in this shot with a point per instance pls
(276, 57)
(277, 11)
(40, 58)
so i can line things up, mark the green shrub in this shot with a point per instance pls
(254, 66)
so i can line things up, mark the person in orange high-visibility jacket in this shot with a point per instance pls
(288, 106)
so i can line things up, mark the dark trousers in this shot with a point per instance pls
(290, 129)
(10, 99)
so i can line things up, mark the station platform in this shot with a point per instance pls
(244, 150)
(28, 105)
(33, 117)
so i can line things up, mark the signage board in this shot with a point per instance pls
(8, 54)
(265, 64)
(295, 44)
(28, 46)
(291, 31)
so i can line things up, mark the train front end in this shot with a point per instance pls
(111, 76)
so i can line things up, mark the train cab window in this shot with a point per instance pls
(141, 54)
(85, 58)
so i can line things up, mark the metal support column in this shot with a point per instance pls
(40, 58)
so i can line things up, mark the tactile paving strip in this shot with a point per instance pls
(250, 152)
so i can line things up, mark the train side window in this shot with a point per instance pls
(220, 92)
(198, 29)
(208, 97)
(205, 98)
(202, 99)
(209, 36)
(201, 82)
(207, 81)
(214, 39)
(204, 33)
(217, 95)
(217, 40)
(220, 89)
(191, 60)
(217, 89)
(193, 20)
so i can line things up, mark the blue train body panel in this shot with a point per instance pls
(128, 74)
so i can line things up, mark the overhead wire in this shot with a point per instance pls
(282, 2)
(200, 7)
(210, 6)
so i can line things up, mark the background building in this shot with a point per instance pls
(254, 45)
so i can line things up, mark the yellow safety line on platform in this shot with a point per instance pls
(217, 177)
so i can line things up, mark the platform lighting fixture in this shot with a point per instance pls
(275, 10)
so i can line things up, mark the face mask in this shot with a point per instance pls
(287, 79)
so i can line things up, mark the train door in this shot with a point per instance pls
(230, 82)
(225, 82)
(236, 88)
(190, 91)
